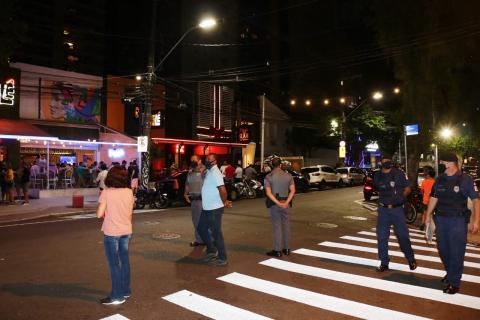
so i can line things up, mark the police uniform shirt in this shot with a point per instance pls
(279, 181)
(390, 186)
(452, 193)
(195, 180)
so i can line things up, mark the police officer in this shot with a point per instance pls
(393, 189)
(449, 198)
(193, 194)
(280, 189)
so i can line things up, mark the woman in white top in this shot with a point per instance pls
(101, 177)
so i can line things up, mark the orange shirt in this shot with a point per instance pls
(118, 215)
(426, 186)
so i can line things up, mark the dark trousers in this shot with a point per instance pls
(280, 227)
(395, 217)
(196, 207)
(212, 219)
(452, 242)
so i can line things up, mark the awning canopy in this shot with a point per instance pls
(198, 142)
(19, 129)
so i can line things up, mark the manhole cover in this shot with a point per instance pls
(151, 223)
(166, 236)
(355, 218)
(325, 225)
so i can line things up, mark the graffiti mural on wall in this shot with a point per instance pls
(71, 103)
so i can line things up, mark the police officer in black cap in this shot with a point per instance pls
(393, 188)
(449, 199)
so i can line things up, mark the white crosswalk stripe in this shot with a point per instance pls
(322, 301)
(390, 252)
(211, 308)
(379, 284)
(395, 244)
(115, 317)
(215, 309)
(374, 263)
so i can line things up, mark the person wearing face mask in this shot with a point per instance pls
(393, 189)
(214, 200)
(193, 194)
(453, 219)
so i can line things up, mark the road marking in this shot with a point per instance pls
(115, 317)
(211, 308)
(322, 301)
(390, 252)
(375, 263)
(374, 283)
(367, 205)
(395, 244)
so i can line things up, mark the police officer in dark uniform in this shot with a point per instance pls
(449, 199)
(393, 189)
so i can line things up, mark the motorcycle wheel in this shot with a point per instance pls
(251, 194)
(161, 202)
(410, 213)
(139, 203)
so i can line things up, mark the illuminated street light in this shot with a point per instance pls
(396, 90)
(308, 102)
(377, 95)
(446, 133)
(343, 100)
(293, 102)
(138, 77)
(326, 102)
(207, 23)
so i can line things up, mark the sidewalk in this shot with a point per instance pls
(41, 208)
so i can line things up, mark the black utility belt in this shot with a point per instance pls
(195, 197)
(390, 206)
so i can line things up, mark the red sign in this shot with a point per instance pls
(180, 148)
(243, 134)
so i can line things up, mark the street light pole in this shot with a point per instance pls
(262, 145)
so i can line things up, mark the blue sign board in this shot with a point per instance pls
(411, 129)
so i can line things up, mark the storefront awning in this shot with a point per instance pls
(198, 142)
(18, 129)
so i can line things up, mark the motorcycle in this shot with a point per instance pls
(151, 197)
(242, 189)
(413, 206)
(257, 186)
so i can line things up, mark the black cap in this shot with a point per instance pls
(448, 157)
(387, 156)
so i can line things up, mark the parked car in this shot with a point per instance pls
(368, 187)
(301, 182)
(471, 171)
(351, 175)
(321, 175)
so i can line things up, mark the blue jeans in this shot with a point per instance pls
(452, 242)
(212, 219)
(116, 250)
(395, 217)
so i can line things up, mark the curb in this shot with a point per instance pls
(47, 215)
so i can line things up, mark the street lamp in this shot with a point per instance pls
(308, 102)
(293, 102)
(138, 77)
(377, 95)
(326, 102)
(446, 133)
(207, 23)
(343, 100)
(396, 90)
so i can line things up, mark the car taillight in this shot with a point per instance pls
(315, 174)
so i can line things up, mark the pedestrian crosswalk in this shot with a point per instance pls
(347, 265)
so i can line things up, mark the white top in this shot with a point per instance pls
(239, 173)
(222, 169)
(101, 179)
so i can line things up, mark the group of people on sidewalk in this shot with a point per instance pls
(14, 184)
(206, 193)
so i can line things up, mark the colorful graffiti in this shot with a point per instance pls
(71, 103)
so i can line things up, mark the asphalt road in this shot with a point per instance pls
(56, 269)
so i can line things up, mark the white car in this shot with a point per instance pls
(351, 175)
(321, 175)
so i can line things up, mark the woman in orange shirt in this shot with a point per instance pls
(116, 208)
(426, 187)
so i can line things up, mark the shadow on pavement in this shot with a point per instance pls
(53, 290)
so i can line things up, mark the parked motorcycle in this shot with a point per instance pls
(151, 197)
(243, 189)
(413, 206)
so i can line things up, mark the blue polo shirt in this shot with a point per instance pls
(211, 199)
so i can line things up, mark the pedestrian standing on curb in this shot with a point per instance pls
(214, 200)
(280, 190)
(22, 184)
(426, 188)
(393, 189)
(116, 208)
(9, 184)
(193, 195)
(238, 173)
(452, 218)
(102, 175)
(133, 176)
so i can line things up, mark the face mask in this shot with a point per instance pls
(441, 168)
(193, 164)
(387, 165)
(208, 164)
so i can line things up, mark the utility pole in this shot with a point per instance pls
(148, 86)
(262, 146)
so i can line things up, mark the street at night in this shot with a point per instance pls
(56, 269)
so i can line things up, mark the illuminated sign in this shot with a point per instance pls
(372, 147)
(180, 149)
(157, 119)
(243, 134)
(116, 153)
(411, 129)
(142, 144)
(7, 93)
(342, 152)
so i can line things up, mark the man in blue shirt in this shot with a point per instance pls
(214, 199)
(449, 199)
(393, 189)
